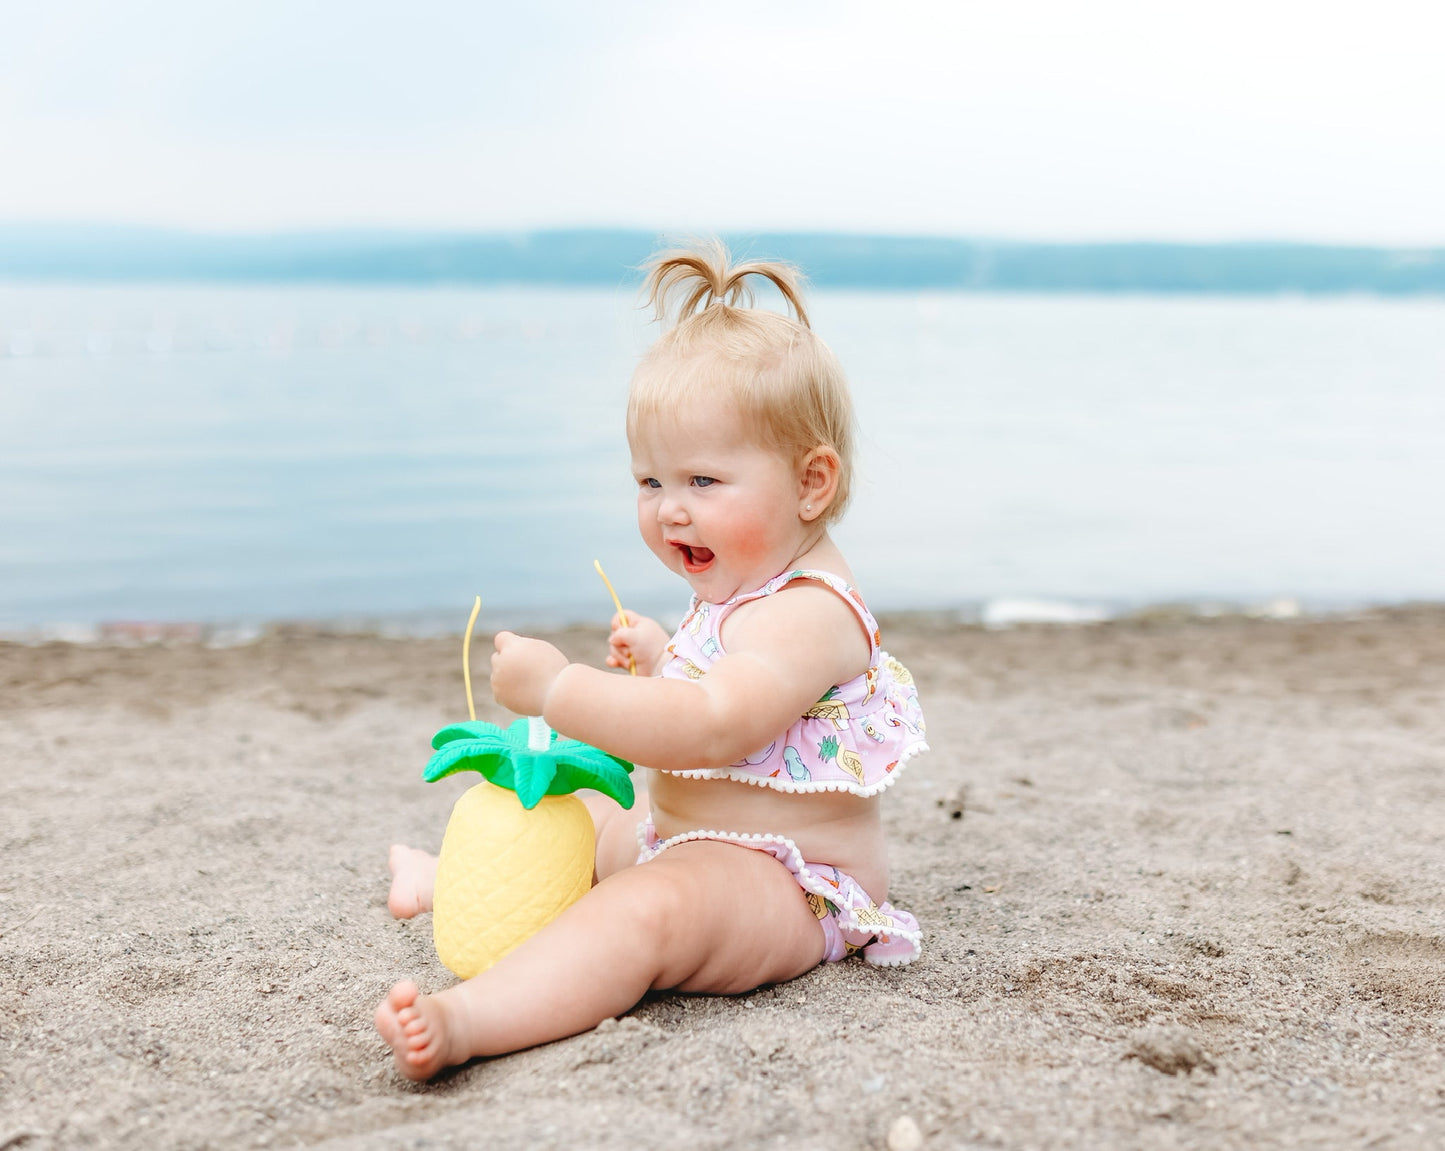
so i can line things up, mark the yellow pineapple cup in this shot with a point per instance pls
(519, 846)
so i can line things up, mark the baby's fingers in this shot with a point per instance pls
(619, 644)
(620, 647)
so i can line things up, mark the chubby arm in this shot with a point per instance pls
(784, 652)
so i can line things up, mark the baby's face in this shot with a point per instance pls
(721, 510)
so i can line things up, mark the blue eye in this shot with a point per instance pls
(703, 481)
(649, 482)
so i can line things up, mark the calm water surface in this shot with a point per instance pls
(241, 454)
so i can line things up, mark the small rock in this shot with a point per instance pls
(1172, 1050)
(904, 1135)
(1209, 948)
(954, 803)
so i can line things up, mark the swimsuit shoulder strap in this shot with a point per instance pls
(845, 591)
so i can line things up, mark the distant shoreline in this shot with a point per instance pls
(991, 615)
(611, 258)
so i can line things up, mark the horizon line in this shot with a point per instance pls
(683, 233)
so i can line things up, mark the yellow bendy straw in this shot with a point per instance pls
(467, 657)
(631, 663)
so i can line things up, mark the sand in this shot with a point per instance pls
(1181, 880)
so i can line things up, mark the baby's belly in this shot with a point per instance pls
(828, 827)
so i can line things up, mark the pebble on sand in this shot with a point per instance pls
(1172, 1050)
(904, 1135)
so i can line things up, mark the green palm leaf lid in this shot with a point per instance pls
(530, 759)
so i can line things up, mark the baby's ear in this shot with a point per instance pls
(818, 475)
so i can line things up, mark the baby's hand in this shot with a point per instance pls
(640, 639)
(523, 671)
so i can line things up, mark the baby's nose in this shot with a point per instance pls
(672, 511)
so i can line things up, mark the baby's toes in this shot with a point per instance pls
(402, 996)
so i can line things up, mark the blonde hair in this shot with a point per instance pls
(770, 366)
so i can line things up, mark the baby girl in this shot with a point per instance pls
(772, 721)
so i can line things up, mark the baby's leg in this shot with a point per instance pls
(616, 828)
(703, 916)
(413, 879)
(414, 873)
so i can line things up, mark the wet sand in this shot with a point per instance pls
(1183, 884)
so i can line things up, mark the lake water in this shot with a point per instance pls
(233, 454)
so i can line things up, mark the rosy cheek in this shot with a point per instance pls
(750, 542)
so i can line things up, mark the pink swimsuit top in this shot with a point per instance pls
(853, 739)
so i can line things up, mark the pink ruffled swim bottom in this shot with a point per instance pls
(851, 921)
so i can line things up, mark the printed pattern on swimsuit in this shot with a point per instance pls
(854, 739)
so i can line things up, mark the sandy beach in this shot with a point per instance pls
(1182, 881)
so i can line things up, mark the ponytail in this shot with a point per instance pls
(706, 278)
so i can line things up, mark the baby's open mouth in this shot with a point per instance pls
(694, 559)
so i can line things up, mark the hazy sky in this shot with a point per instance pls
(1072, 120)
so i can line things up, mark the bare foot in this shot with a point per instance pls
(416, 1026)
(413, 878)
